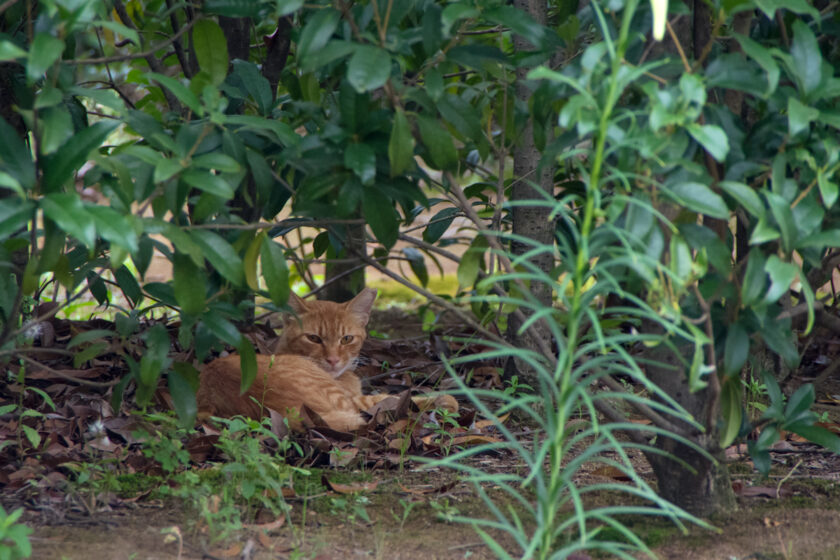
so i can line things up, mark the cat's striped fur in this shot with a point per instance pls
(313, 367)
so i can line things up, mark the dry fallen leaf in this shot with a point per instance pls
(611, 472)
(353, 488)
(273, 525)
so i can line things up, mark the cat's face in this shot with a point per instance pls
(329, 333)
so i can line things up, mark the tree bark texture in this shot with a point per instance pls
(345, 277)
(530, 181)
(688, 478)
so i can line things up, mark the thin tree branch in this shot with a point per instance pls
(145, 54)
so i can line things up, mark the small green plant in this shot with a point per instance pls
(442, 419)
(407, 508)
(352, 507)
(251, 479)
(14, 536)
(515, 387)
(165, 444)
(26, 433)
(444, 511)
(755, 395)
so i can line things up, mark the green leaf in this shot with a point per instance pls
(455, 11)
(763, 232)
(736, 350)
(14, 215)
(249, 262)
(681, 259)
(769, 7)
(818, 435)
(155, 359)
(381, 216)
(463, 116)
(32, 435)
(218, 161)
(361, 160)
(43, 53)
(820, 240)
(782, 275)
(180, 91)
(108, 98)
(119, 28)
(518, 21)
(57, 129)
(275, 271)
(183, 398)
(166, 168)
(277, 131)
(113, 226)
(316, 33)
(247, 364)
(68, 212)
(222, 328)
(800, 116)
(712, 138)
(697, 197)
(828, 189)
(784, 218)
(764, 59)
(128, 284)
(89, 353)
(255, 84)
(472, 262)
(369, 68)
(745, 196)
(209, 183)
(438, 143)
(781, 341)
(333, 51)
(220, 253)
(15, 156)
(188, 284)
(432, 29)
(400, 145)
(9, 182)
(800, 401)
(211, 50)
(10, 51)
(697, 369)
(807, 62)
(60, 166)
(417, 264)
(731, 410)
(755, 279)
(438, 224)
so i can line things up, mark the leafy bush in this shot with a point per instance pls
(14, 536)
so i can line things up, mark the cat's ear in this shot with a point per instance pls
(297, 304)
(362, 304)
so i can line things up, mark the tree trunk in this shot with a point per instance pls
(687, 478)
(345, 277)
(531, 180)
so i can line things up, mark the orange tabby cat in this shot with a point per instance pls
(313, 367)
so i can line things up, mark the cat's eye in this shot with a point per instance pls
(314, 338)
(347, 339)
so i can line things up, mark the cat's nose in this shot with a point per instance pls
(332, 360)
